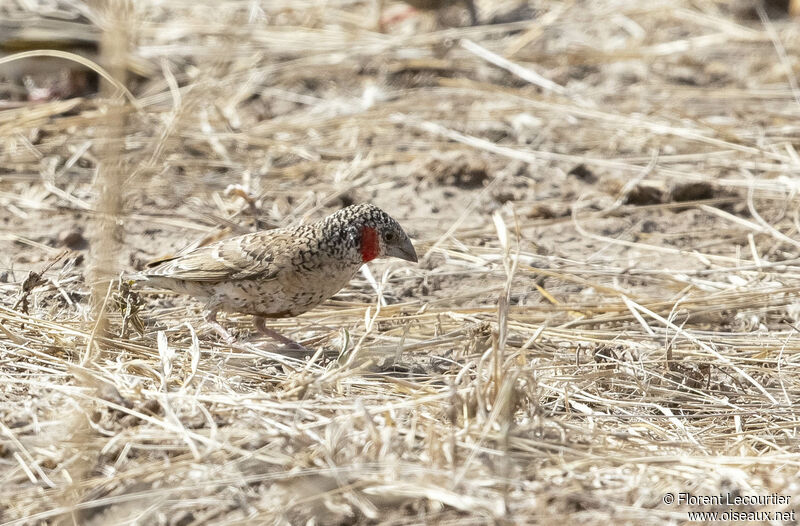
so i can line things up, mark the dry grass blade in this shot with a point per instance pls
(605, 311)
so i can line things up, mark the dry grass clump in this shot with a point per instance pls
(603, 196)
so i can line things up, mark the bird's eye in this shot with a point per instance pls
(389, 237)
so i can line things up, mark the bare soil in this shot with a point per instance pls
(603, 198)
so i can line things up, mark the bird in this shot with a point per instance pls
(434, 5)
(431, 5)
(282, 272)
(46, 77)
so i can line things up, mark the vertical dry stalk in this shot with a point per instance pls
(106, 234)
(106, 229)
(505, 381)
(510, 266)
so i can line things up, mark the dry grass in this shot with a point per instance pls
(606, 309)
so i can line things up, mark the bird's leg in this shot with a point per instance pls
(210, 317)
(473, 12)
(379, 25)
(258, 321)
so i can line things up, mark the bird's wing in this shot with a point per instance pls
(259, 255)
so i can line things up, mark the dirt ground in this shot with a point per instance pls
(603, 199)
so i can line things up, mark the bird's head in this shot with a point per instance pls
(374, 233)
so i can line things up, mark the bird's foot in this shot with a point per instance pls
(288, 343)
(224, 334)
(211, 320)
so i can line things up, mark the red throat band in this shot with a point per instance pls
(369, 244)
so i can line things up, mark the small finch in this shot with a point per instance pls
(430, 5)
(283, 272)
(433, 5)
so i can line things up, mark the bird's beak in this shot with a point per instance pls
(404, 251)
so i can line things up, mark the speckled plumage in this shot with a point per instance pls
(438, 4)
(287, 271)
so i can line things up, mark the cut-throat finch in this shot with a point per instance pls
(283, 272)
